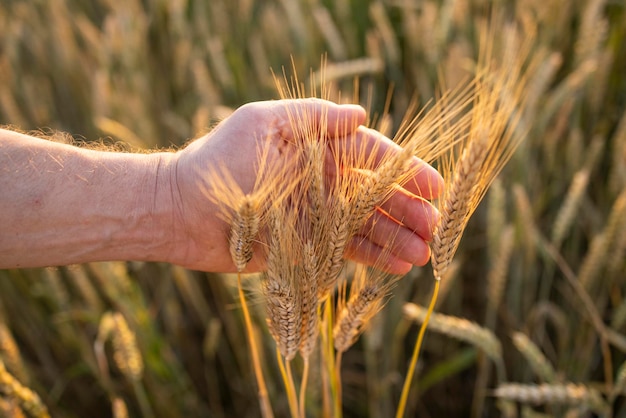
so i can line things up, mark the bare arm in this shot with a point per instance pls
(61, 204)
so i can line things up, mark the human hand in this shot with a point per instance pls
(200, 238)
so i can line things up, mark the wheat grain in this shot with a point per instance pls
(26, 398)
(569, 394)
(535, 358)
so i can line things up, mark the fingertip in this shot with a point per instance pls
(399, 267)
(353, 113)
(427, 181)
(437, 182)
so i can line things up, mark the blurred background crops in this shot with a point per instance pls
(544, 256)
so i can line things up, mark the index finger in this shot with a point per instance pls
(303, 117)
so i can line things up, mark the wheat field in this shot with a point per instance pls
(529, 266)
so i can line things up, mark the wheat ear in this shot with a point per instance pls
(119, 408)
(338, 236)
(127, 357)
(26, 398)
(10, 408)
(368, 290)
(309, 301)
(569, 208)
(535, 358)
(10, 353)
(243, 231)
(460, 329)
(569, 394)
(281, 285)
(126, 354)
(459, 202)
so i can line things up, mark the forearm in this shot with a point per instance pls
(61, 204)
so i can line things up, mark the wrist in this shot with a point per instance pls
(162, 203)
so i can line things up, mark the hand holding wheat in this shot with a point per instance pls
(254, 153)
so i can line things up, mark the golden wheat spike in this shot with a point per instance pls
(245, 211)
(10, 408)
(10, 353)
(497, 127)
(569, 208)
(126, 353)
(355, 316)
(368, 290)
(458, 205)
(604, 244)
(243, 231)
(281, 284)
(338, 235)
(119, 408)
(309, 301)
(569, 394)
(460, 329)
(26, 398)
(496, 278)
(535, 358)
